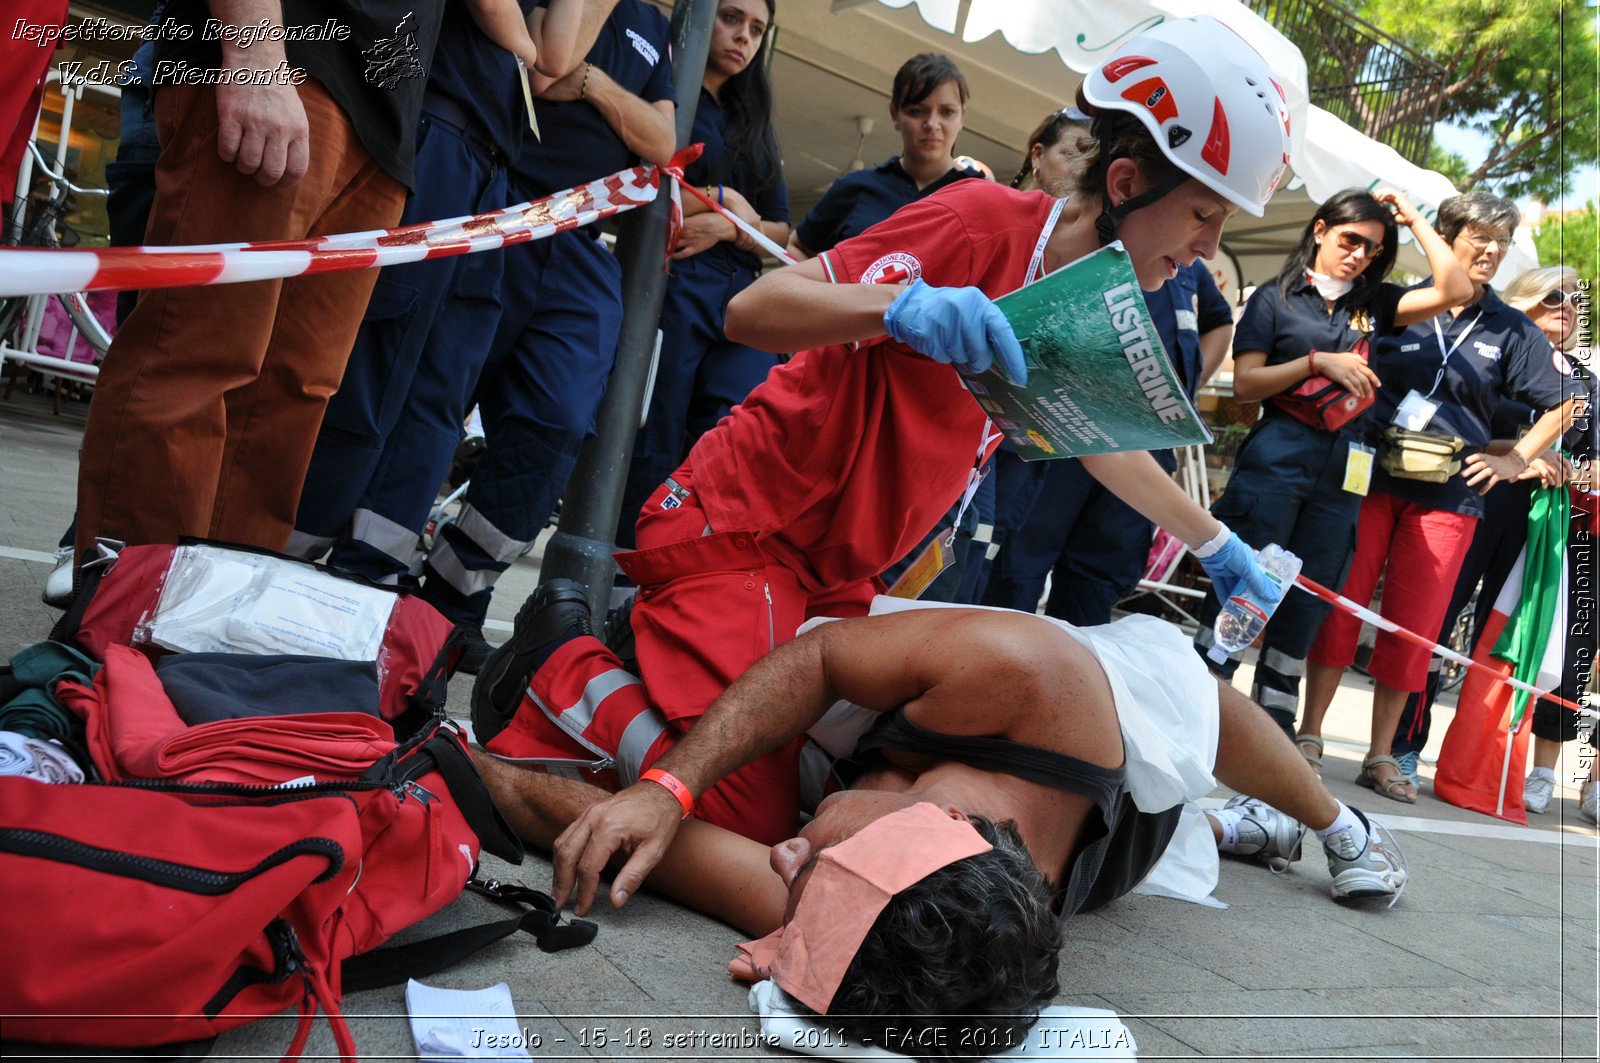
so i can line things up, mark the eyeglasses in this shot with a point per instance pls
(1555, 298)
(1350, 243)
(1481, 243)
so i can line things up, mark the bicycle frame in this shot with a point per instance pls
(22, 346)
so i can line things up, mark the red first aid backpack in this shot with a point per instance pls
(176, 902)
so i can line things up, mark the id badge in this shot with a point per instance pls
(1358, 469)
(937, 556)
(1415, 412)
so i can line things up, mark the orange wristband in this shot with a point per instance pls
(673, 785)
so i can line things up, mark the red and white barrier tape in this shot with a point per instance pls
(38, 271)
(41, 271)
(1339, 601)
(765, 242)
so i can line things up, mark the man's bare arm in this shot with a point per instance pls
(709, 869)
(965, 671)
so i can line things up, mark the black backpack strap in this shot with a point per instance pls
(394, 964)
(472, 797)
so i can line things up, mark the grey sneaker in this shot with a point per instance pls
(1265, 834)
(1376, 869)
(58, 585)
(1589, 802)
(1537, 791)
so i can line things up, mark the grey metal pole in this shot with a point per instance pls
(582, 546)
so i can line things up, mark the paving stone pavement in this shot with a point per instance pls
(1491, 954)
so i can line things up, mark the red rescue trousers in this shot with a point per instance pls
(711, 603)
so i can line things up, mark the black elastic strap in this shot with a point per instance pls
(472, 797)
(1105, 226)
(393, 965)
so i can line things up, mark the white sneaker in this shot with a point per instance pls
(1536, 793)
(1375, 868)
(58, 585)
(1589, 802)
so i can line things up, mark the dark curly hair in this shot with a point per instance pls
(965, 957)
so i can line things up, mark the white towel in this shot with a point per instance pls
(1061, 1033)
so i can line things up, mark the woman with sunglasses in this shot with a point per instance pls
(1442, 381)
(1550, 298)
(1294, 483)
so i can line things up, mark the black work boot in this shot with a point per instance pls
(553, 615)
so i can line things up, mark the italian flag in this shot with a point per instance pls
(1485, 751)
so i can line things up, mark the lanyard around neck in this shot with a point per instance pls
(1444, 354)
(1036, 263)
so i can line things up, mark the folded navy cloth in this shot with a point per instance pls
(206, 687)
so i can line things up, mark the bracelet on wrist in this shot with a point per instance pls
(583, 86)
(673, 785)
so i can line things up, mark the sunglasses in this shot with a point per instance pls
(1350, 243)
(1555, 298)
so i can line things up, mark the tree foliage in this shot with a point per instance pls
(1522, 72)
(1572, 241)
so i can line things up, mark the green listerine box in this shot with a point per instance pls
(1099, 379)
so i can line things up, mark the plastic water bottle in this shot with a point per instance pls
(1244, 615)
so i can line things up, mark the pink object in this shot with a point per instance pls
(55, 331)
(853, 881)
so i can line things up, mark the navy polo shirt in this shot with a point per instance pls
(480, 78)
(857, 201)
(1290, 328)
(1511, 417)
(718, 166)
(1183, 309)
(578, 146)
(1504, 355)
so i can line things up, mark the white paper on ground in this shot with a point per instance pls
(1061, 1033)
(464, 1023)
(225, 601)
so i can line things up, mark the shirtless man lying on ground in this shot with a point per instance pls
(1054, 762)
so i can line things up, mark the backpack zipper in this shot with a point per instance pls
(198, 880)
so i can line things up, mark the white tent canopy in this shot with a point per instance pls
(835, 62)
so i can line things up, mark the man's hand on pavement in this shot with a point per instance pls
(641, 820)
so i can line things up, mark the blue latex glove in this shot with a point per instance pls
(958, 326)
(1234, 566)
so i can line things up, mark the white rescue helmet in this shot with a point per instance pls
(1210, 101)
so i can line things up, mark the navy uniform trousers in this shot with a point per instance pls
(700, 375)
(1288, 488)
(540, 388)
(1056, 520)
(392, 427)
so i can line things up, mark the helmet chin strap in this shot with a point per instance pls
(1105, 226)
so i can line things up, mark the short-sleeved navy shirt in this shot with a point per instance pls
(1504, 355)
(480, 77)
(1183, 309)
(1291, 328)
(1512, 418)
(743, 174)
(577, 145)
(857, 201)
